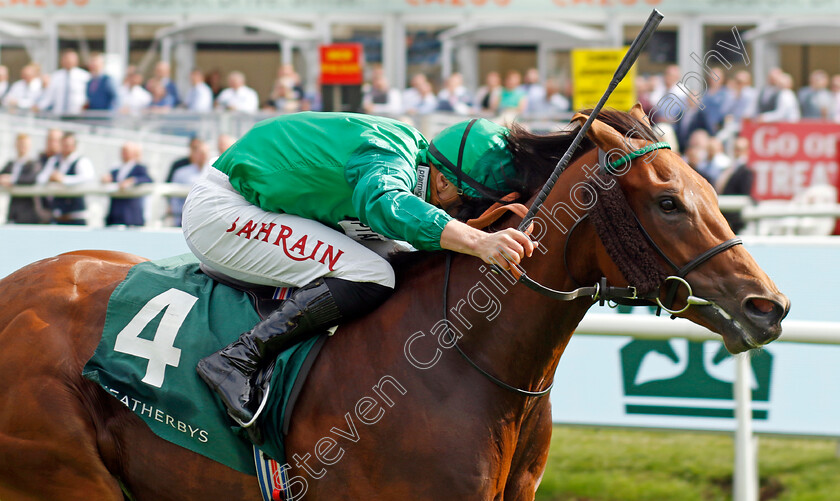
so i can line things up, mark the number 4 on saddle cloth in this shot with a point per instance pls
(163, 318)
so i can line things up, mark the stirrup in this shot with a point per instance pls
(257, 413)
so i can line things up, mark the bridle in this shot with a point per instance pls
(602, 292)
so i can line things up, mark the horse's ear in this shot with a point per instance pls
(606, 137)
(638, 113)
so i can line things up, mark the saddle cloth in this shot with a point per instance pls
(163, 318)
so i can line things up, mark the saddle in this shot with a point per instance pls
(265, 298)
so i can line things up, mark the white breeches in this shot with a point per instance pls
(239, 239)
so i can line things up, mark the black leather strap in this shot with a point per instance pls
(488, 193)
(494, 379)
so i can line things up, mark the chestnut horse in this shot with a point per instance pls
(389, 411)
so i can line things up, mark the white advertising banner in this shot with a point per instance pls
(626, 382)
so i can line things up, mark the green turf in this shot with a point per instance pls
(626, 465)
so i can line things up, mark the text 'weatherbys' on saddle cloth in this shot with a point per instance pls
(163, 318)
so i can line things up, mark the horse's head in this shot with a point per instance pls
(661, 219)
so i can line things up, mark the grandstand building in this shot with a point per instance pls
(436, 37)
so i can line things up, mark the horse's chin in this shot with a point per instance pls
(738, 333)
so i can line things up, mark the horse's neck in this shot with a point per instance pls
(516, 333)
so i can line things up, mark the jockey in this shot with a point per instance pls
(300, 200)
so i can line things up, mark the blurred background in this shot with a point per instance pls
(110, 110)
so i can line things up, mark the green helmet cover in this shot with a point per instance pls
(480, 149)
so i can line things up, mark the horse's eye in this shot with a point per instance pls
(668, 205)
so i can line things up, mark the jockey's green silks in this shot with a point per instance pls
(330, 167)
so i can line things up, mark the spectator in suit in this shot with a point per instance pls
(162, 100)
(214, 80)
(238, 96)
(26, 92)
(380, 98)
(51, 148)
(163, 74)
(696, 154)
(692, 119)
(785, 106)
(487, 96)
(743, 96)
(200, 97)
(195, 142)
(188, 175)
(816, 100)
(101, 89)
(69, 168)
(23, 170)
(454, 96)
(127, 211)
(287, 94)
(67, 91)
(737, 180)
(717, 101)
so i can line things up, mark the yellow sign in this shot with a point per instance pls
(592, 72)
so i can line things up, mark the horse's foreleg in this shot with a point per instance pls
(528, 464)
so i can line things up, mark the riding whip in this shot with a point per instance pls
(626, 63)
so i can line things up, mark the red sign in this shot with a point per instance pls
(342, 64)
(787, 158)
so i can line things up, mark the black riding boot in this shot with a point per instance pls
(233, 372)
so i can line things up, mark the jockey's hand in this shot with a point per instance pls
(492, 248)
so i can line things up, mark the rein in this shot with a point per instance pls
(453, 340)
(601, 292)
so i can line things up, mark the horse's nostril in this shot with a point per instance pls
(762, 311)
(762, 305)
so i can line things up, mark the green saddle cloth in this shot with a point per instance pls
(163, 318)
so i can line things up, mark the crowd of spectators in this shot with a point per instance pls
(706, 119)
(72, 90)
(727, 100)
(61, 163)
(515, 95)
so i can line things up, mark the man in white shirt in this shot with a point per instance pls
(133, 98)
(188, 175)
(786, 107)
(238, 97)
(67, 91)
(419, 98)
(69, 168)
(24, 93)
(380, 98)
(535, 92)
(200, 97)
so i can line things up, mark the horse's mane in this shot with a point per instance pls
(535, 156)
